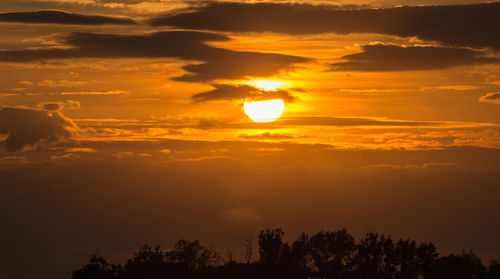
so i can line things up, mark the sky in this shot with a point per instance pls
(125, 122)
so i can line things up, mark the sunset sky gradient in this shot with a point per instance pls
(122, 123)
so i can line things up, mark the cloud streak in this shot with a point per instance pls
(266, 136)
(60, 17)
(347, 121)
(112, 92)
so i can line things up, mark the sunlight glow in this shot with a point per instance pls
(264, 111)
(267, 85)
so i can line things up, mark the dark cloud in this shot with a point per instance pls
(27, 127)
(59, 17)
(235, 92)
(52, 106)
(467, 25)
(181, 44)
(59, 106)
(490, 98)
(217, 63)
(396, 58)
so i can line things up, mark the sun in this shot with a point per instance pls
(264, 111)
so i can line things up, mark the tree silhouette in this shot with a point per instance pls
(97, 268)
(466, 265)
(332, 252)
(494, 270)
(148, 255)
(426, 258)
(375, 257)
(148, 262)
(191, 254)
(300, 255)
(270, 246)
(330, 255)
(248, 246)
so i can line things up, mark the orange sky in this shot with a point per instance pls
(126, 118)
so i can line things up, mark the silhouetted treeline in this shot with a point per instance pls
(324, 255)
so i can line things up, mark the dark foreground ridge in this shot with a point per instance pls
(323, 255)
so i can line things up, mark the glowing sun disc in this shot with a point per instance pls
(264, 111)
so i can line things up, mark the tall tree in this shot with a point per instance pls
(300, 254)
(332, 252)
(270, 246)
(375, 257)
(248, 249)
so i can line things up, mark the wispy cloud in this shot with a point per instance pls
(62, 83)
(493, 98)
(81, 149)
(113, 92)
(267, 136)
